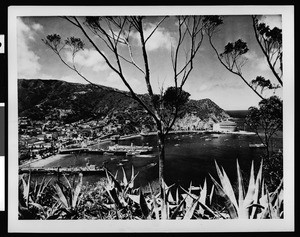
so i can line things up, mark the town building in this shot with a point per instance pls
(225, 126)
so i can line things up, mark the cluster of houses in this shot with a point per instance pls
(38, 139)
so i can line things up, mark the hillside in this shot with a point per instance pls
(69, 102)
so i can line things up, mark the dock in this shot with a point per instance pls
(55, 170)
(72, 150)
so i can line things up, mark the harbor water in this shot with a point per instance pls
(189, 157)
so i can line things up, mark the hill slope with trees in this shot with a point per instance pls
(70, 102)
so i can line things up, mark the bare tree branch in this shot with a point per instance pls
(265, 49)
(231, 69)
(155, 28)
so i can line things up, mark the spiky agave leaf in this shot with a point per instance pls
(144, 206)
(26, 187)
(114, 196)
(251, 188)
(228, 203)
(135, 198)
(77, 191)
(203, 195)
(177, 196)
(131, 183)
(60, 196)
(163, 193)
(177, 210)
(42, 187)
(155, 208)
(125, 181)
(243, 212)
(112, 181)
(35, 188)
(257, 192)
(211, 194)
(116, 174)
(170, 198)
(194, 197)
(190, 211)
(67, 181)
(226, 185)
(272, 203)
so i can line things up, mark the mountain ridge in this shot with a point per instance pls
(69, 102)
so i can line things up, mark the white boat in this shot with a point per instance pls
(132, 153)
(145, 156)
(260, 145)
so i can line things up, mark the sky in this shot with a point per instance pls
(209, 79)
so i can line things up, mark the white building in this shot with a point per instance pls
(226, 126)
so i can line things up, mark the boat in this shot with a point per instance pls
(128, 150)
(108, 153)
(132, 153)
(142, 133)
(145, 156)
(96, 151)
(215, 136)
(260, 145)
(151, 165)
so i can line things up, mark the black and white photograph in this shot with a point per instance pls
(158, 119)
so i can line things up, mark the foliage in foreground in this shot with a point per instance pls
(118, 199)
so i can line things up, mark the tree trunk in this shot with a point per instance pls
(161, 157)
(161, 174)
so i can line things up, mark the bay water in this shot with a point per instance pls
(190, 157)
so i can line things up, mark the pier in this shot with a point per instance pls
(54, 170)
(113, 150)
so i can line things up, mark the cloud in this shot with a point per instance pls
(89, 58)
(258, 63)
(113, 80)
(161, 39)
(272, 21)
(28, 61)
(224, 84)
(37, 27)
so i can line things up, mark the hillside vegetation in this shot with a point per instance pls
(69, 102)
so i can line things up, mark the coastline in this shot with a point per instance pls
(43, 162)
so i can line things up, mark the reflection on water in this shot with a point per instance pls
(189, 157)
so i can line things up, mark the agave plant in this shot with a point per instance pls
(257, 202)
(32, 200)
(68, 197)
(119, 202)
(186, 205)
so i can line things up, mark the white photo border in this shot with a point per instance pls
(93, 226)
